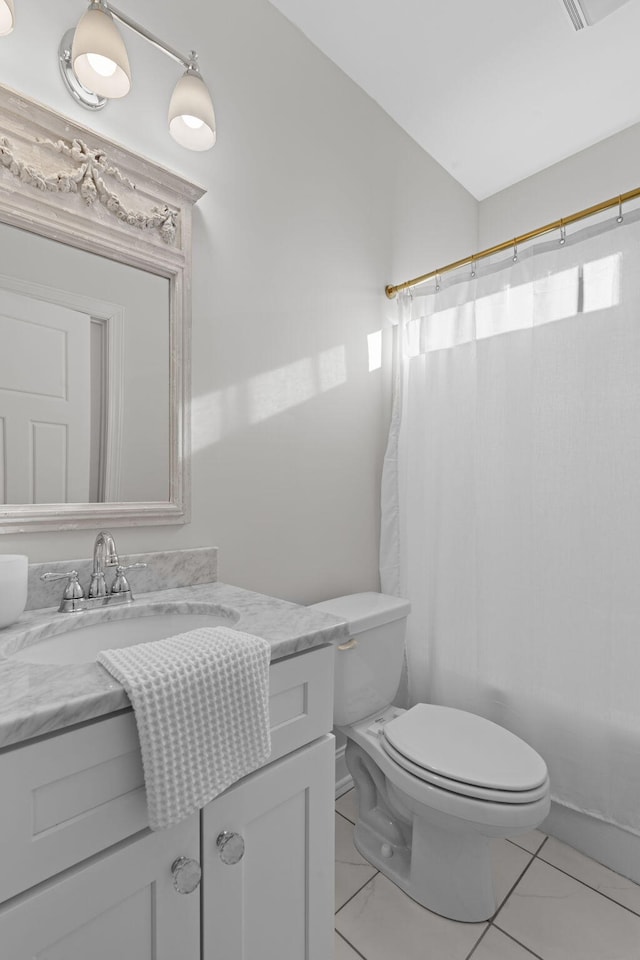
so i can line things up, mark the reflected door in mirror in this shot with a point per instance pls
(45, 402)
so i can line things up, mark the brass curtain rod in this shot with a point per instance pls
(391, 290)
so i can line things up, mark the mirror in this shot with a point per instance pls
(94, 326)
(84, 376)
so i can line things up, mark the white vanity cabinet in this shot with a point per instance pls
(83, 877)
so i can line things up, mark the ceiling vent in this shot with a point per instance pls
(585, 13)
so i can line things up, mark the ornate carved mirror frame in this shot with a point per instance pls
(63, 181)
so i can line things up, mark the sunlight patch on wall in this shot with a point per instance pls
(222, 412)
(332, 368)
(277, 390)
(213, 416)
(374, 343)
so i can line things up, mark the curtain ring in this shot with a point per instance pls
(437, 283)
(473, 269)
(563, 235)
(515, 252)
(619, 218)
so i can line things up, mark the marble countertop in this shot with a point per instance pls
(36, 699)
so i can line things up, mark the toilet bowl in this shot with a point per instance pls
(434, 784)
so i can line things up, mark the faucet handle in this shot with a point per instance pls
(120, 583)
(73, 589)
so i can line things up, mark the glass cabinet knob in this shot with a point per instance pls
(230, 847)
(186, 874)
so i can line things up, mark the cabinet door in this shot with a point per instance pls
(121, 905)
(276, 903)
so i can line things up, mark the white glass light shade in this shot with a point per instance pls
(7, 17)
(192, 122)
(99, 56)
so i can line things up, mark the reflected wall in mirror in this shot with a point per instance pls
(95, 328)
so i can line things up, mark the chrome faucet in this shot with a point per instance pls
(104, 555)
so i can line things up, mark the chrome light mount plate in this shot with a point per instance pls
(86, 98)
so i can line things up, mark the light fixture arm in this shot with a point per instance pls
(190, 62)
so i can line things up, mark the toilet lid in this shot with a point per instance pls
(464, 747)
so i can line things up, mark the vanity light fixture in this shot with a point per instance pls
(95, 68)
(7, 17)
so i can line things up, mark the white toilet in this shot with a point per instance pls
(433, 784)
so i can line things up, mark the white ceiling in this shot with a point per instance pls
(494, 90)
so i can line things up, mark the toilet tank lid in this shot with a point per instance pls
(364, 611)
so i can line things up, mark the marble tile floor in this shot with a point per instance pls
(554, 904)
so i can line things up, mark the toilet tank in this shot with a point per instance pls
(368, 667)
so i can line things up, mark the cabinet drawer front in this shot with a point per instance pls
(300, 700)
(67, 797)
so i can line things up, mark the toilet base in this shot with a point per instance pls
(441, 861)
(448, 873)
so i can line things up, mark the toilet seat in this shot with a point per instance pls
(465, 789)
(465, 754)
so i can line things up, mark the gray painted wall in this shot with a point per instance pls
(315, 201)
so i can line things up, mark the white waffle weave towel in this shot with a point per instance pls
(201, 703)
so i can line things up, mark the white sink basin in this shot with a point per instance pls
(82, 643)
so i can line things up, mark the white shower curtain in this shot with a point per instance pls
(511, 506)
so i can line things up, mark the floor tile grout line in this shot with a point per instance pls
(345, 818)
(348, 942)
(526, 849)
(636, 913)
(359, 890)
(491, 921)
(352, 822)
(541, 846)
(345, 792)
(513, 886)
(515, 940)
(479, 940)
